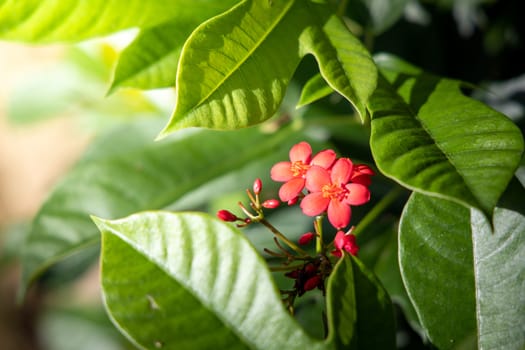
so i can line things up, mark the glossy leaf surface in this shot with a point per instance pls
(465, 280)
(314, 89)
(69, 20)
(193, 284)
(435, 256)
(359, 310)
(151, 60)
(237, 79)
(431, 138)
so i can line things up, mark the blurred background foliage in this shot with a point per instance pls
(478, 41)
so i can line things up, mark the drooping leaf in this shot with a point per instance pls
(344, 62)
(195, 282)
(315, 89)
(499, 257)
(359, 310)
(126, 172)
(436, 261)
(230, 75)
(151, 60)
(431, 138)
(67, 20)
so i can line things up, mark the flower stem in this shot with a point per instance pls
(318, 225)
(383, 204)
(279, 235)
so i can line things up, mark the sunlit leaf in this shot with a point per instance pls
(435, 255)
(194, 284)
(230, 75)
(359, 310)
(126, 172)
(315, 89)
(151, 60)
(68, 20)
(431, 138)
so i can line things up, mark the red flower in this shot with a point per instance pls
(361, 174)
(331, 191)
(345, 242)
(293, 173)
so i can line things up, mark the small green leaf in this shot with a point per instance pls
(344, 63)
(315, 89)
(500, 275)
(193, 284)
(70, 20)
(359, 310)
(436, 261)
(151, 60)
(429, 137)
(126, 172)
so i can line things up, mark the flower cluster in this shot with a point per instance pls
(323, 185)
(332, 185)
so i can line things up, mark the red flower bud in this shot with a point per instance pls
(270, 203)
(257, 186)
(310, 269)
(312, 282)
(226, 215)
(306, 238)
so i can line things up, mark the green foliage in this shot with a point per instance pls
(187, 281)
(195, 294)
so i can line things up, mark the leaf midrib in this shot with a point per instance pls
(241, 62)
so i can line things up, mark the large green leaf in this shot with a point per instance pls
(499, 256)
(195, 283)
(435, 256)
(431, 138)
(151, 60)
(126, 172)
(359, 310)
(70, 20)
(235, 68)
(464, 278)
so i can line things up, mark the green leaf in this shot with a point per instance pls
(500, 275)
(151, 60)
(359, 310)
(195, 282)
(315, 89)
(68, 20)
(126, 172)
(230, 76)
(344, 62)
(436, 261)
(429, 137)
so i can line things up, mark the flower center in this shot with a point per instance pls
(334, 192)
(299, 169)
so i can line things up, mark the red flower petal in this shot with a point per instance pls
(324, 159)
(364, 180)
(359, 194)
(281, 172)
(306, 238)
(339, 214)
(314, 204)
(316, 178)
(291, 189)
(341, 171)
(301, 152)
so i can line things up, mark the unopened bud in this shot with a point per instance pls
(257, 186)
(226, 215)
(270, 203)
(306, 238)
(312, 282)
